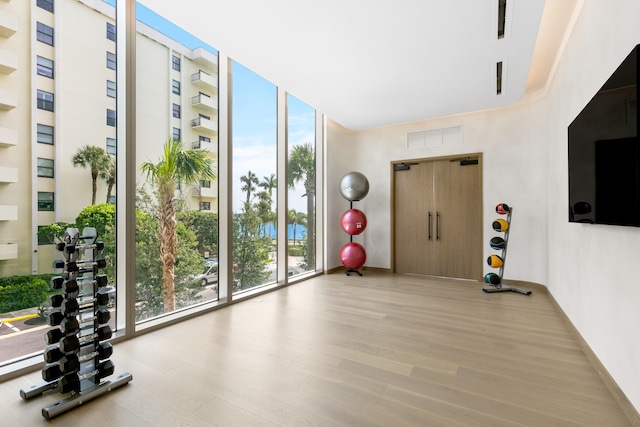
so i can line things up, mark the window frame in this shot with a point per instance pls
(175, 87)
(39, 133)
(112, 63)
(176, 134)
(111, 89)
(44, 33)
(175, 111)
(111, 148)
(43, 205)
(111, 31)
(44, 66)
(45, 4)
(176, 63)
(42, 101)
(204, 206)
(111, 117)
(45, 167)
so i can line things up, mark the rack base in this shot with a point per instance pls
(352, 270)
(506, 289)
(85, 396)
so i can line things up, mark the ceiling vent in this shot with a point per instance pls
(502, 17)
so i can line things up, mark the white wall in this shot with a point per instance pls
(591, 270)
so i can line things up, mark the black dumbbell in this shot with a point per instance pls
(79, 265)
(53, 353)
(71, 362)
(56, 300)
(72, 305)
(51, 372)
(71, 343)
(59, 282)
(71, 248)
(71, 382)
(71, 325)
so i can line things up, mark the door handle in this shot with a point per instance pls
(437, 225)
(429, 225)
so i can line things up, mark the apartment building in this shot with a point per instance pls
(58, 93)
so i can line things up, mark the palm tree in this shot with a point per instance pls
(269, 183)
(302, 168)
(96, 159)
(292, 217)
(176, 165)
(250, 181)
(109, 175)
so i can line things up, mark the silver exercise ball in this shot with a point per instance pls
(354, 186)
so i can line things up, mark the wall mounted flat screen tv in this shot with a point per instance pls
(604, 152)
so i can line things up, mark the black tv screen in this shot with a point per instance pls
(604, 152)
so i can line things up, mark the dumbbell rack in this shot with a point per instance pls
(500, 287)
(77, 349)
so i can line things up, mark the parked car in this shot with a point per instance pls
(209, 275)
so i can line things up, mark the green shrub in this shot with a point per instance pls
(297, 250)
(20, 292)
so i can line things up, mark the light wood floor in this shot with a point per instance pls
(378, 350)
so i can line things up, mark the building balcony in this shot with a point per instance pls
(204, 80)
(8, 61)
(204, 102)
(8, 212)
(8, 24)
(204, 124)
(8, 251)
(8, 175)
(206, 192)
(203, 145)
(8, 137)
(204, 57)
(8, 100)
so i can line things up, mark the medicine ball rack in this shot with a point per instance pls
(78, 354)
(500, 287)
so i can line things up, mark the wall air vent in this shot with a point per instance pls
(499, 78)
(502, 17)
(435, 137)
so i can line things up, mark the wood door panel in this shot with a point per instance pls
(458, 200)
(412, 200)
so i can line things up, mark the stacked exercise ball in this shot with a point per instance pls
(499, 244)
(354, 186)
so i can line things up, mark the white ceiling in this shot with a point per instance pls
(370, 63)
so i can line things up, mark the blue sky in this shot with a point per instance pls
(254, 115)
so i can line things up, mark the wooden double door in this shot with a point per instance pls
(438, 217)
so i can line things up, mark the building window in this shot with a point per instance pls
(45, 100)
(46, 5)
(44, 239)
(45, 67)
(45, 201)
(111, 117)
(111, 146)
(176, 134)
(111, 31)
(205, 206)
(204, 139)
(175, 63)
(176, 87)
(205, 184)
(176, 111)
(111, 60)
(44, 33)
(45, 134)
(45, 168)
(111, 89)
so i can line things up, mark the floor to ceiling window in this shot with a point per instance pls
(254, 180)
(301, 135)
(57, 157)
(68, 160)
(176, 152)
